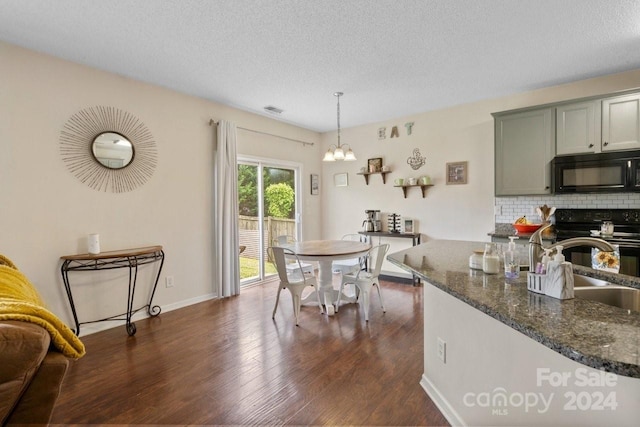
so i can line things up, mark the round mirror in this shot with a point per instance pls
(112, 150)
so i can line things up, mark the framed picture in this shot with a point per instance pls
(374, 165)
(408, 226)
(315, 184)
(341, 179)
(456, 173)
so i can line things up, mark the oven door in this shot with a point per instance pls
(629, 257)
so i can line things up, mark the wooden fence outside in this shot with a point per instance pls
(273, 227)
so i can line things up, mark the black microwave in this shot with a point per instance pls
(597, 173)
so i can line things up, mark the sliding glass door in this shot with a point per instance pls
(268, 207)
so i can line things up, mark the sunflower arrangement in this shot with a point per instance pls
(602, 260)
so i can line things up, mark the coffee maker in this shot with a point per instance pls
(372, 223)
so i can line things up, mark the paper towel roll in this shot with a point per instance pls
(94, 243)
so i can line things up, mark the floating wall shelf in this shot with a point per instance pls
(421, 186)
(366, 176)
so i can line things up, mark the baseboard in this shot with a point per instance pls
(443, 405)
(92, 328)
(396, 279)
(399, 279)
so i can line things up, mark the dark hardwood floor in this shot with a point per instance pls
(226, 362)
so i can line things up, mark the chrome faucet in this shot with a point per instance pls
(536, 249)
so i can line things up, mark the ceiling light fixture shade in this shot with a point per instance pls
(350, 157)
(328, 156)
(338, 152)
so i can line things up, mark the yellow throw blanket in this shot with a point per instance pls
(19, 300)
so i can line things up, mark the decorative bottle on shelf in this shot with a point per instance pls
(490, 259)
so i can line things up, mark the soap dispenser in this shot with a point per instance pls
(511, 261)
(546, 259)
(559, 277)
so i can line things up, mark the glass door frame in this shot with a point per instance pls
(261, 163)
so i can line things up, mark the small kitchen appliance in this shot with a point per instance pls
(372, 223)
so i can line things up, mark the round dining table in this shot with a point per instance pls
(325, 252)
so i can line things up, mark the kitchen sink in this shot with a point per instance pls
(607, 293)
(580, 281)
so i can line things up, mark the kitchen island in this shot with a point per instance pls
(497, 354)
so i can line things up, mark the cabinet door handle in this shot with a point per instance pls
(591, 145)
(606, 143)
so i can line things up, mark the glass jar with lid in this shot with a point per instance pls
(491, 259)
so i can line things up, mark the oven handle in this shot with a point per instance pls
(621, 245)
(626, 245)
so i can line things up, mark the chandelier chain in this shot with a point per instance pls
(338, 96)
(337, 152)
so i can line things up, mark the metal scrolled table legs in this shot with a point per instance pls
(67, 287)
(155, 310)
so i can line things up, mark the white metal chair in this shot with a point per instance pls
(352, 265)
(295, 282)
(365, 280)
(293, 267)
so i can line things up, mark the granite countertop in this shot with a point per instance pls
(591, 333)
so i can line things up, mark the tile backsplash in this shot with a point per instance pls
(511, 208)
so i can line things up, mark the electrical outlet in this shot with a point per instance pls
(442, 350)
(168, 281)
(497, 210)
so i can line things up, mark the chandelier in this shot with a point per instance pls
(336, 152)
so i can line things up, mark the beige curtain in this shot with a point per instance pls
(225, 229)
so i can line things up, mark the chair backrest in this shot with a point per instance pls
(356, 237)
(283, 240)
(279, 254)
(376, 257)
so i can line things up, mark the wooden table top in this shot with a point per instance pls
(322, 248)
(114, 254)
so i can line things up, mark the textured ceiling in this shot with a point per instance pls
(391, 58)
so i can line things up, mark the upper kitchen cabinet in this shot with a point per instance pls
(621, 122)
(524, 146)
(578, 128)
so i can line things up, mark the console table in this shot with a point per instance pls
(125, 258)
(415, 239)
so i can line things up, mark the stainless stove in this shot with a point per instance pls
(581, 222)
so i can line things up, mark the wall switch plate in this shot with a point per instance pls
(497, 210)
(442, 350)
(168, 281)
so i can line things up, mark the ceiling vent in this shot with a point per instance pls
(273, 110)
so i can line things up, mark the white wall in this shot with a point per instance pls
(462, 133)
(46, 212)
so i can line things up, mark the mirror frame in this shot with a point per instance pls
(95, 141)
(76, 148)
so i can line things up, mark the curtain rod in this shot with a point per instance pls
(305, 143)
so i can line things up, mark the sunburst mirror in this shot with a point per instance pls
(108, 149)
